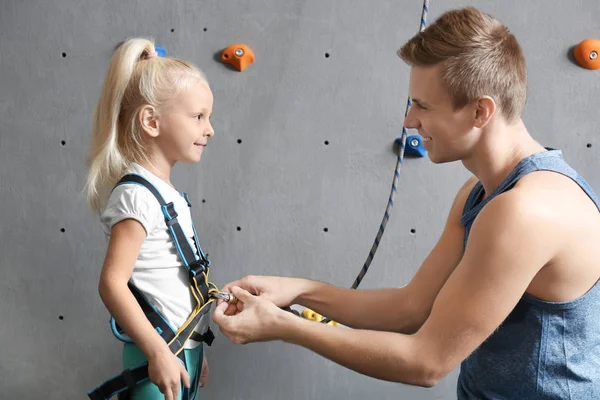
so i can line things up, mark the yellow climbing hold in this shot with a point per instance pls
(311, 315)
(315, 316)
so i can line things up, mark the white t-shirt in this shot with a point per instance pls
(159, 272)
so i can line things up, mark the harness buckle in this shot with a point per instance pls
(207, 337)
(169, 212)
(197, 267)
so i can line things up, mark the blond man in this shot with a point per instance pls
(510, 292)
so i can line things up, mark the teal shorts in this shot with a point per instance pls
(133, 356)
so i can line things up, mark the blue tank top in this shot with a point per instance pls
(543, 350)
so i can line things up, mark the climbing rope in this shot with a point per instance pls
(390, 204)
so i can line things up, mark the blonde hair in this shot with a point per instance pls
(135, 78)
(478, 56)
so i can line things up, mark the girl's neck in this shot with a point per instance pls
(161, 169)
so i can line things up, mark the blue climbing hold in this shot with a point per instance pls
(414, 146)
(160, 51)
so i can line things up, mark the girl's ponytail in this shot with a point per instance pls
(106, 161)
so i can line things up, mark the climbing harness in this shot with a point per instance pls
(203, 291)
(402, 145)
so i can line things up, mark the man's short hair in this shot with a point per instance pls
(478, 56)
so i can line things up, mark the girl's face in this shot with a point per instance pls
(184, 126)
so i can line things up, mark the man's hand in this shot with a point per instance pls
(256, 319)
(282, 292)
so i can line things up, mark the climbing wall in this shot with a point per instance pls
(294, 182)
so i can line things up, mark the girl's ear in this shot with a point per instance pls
(148, 120)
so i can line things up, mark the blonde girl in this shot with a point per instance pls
(152, 113)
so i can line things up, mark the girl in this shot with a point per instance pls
(152, 112)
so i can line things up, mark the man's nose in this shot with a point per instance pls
(411, 121)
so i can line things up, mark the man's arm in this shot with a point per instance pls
(401, 309)
(508, 245)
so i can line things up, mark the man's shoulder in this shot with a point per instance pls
(460, 200)
(469, 185)
(551, 189)
(463, 193)
(521, 211)
(540, 203)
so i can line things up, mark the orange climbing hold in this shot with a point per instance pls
(586, 53)
(238, 55)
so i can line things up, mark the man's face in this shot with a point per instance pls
(448, 134)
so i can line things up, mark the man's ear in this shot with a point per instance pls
(148, 118)
(485, 107)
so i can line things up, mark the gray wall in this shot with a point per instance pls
(281, 185)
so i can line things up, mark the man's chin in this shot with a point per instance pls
(439, 160)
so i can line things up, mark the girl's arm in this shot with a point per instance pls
(125, 242)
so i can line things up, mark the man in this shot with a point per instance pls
(509, 293)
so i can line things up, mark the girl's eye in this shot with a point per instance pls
(199, 116)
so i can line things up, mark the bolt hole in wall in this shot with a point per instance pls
(589, 145)
(61, 317)
(239, 228)
(326, 55)
(62, 142)
(413, 231)
(63, 230)
(173, 30)
(64, 55)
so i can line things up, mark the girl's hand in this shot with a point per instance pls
(204, 374)
(167, 372)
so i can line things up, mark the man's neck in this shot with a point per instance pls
(499, 150)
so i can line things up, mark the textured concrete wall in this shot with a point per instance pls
(282, 186)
